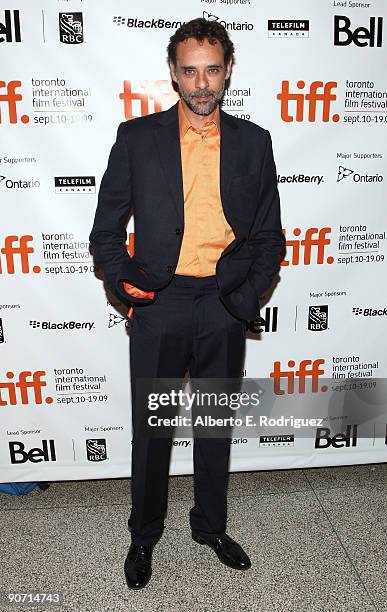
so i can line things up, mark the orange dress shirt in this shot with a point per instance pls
(206, 230)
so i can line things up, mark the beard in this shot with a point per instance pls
(198, 106)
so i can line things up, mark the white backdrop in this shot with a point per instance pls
(71, 71)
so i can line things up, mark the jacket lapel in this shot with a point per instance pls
(168, 144)
(228, 152)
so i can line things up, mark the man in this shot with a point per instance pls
(202, 187)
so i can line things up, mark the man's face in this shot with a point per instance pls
(200, 74)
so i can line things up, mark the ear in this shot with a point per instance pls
(228, 69)
(172, 70)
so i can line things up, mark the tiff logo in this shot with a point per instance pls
(11, 98)
(149, 98)
(314, 372)
(17, 249)
(310, 100)
(314, 241)
(27, 389)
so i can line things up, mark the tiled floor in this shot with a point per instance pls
(317, 539)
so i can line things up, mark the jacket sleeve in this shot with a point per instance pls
(109, 234)
(266, 240)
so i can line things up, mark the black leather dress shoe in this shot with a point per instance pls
(229, 552)
(138, 566)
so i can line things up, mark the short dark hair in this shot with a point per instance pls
(201, 29)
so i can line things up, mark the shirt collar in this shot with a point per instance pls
(185, 124)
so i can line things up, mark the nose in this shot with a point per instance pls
(201, 81)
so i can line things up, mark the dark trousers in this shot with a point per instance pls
(187, 327)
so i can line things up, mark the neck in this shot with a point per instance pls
(198, 121)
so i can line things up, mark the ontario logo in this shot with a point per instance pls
(15, 255)
(308, 247)
(304, 106)
(344, 173)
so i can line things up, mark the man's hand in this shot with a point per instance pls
(138, 293)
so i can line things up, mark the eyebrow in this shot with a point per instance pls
(211, 66)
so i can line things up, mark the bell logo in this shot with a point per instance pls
(160, 94)
(11, 98)
(17, 249)
(267, 323)
(312, 98)
(324, 440)
(26, 389)
(361, 37)
(314, 241)
(35, 455)
(308, 368)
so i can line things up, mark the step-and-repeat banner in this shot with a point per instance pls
(313, 73)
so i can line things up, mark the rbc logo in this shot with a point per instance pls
(310, 100)
(149, 98)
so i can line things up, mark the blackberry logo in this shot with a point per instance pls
(318, 318)
(65, 325)
(96, 449)
(71, 28)
(369, 312)
(119, 20)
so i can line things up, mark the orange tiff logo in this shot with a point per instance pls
(16, 249)
(26, 389)
(147, 98)
(320, 94)
(10, 100)
(307, 368)
(308, 249)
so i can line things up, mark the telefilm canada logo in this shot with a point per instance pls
(74, 184)
(288, 28)
(345, 34)
(96, 449)
(276, 440)
(356, 177)
(318, 318)
(71, 28)
(10, 27)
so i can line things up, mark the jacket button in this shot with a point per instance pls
(178, 231)
(169, 268)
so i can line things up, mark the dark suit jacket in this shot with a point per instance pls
(144, 176)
